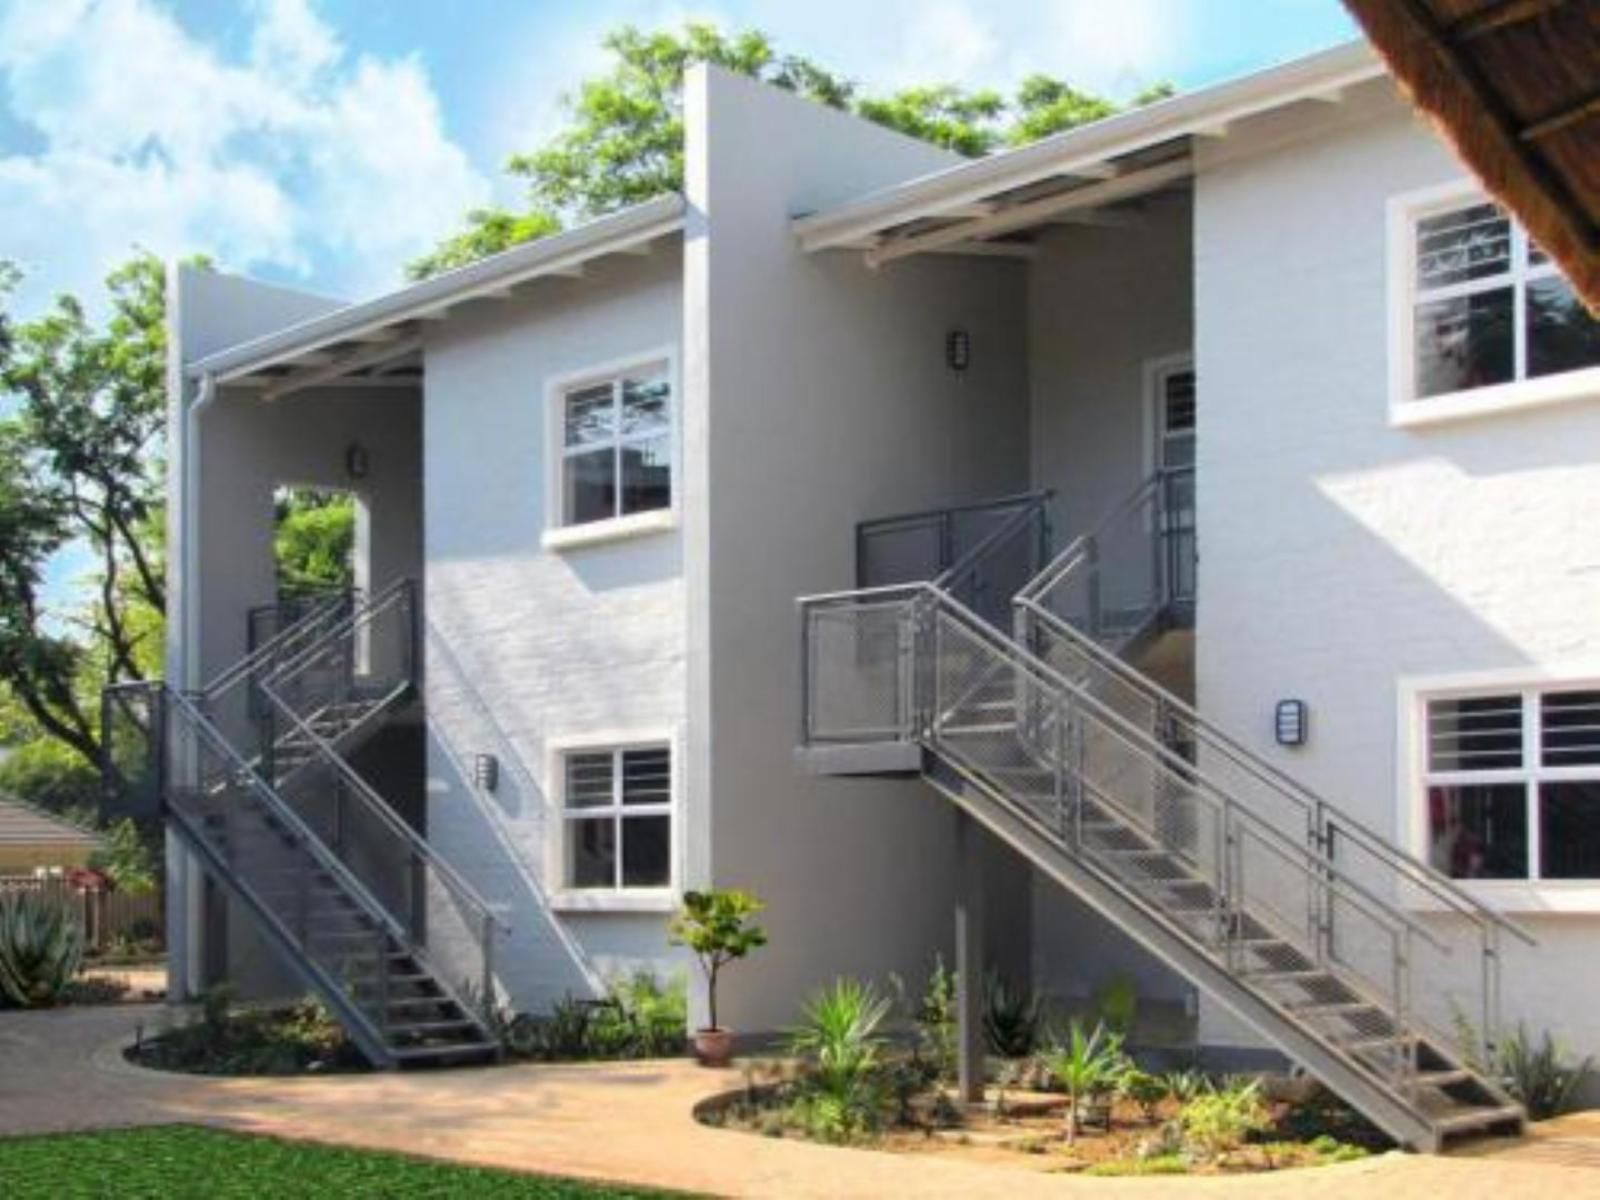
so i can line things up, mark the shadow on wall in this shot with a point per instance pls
(540, 961)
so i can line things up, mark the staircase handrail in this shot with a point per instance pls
(1311, 804)
(392, 820)
(318, 613)
(1084, 543)
(1029, 506)
(1151, 747)
(284, 813)
(396, 591)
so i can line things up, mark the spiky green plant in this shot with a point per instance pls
(1011, 1018)
(839, 1042)
(41, 949)
(1086, 1064)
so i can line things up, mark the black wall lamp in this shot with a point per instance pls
(958, 349)
(1290, 722)
(486, 772)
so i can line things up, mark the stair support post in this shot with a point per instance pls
(381, 959)
(969, 959)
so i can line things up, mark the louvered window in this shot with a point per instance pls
(617, 811)
(1513, 784)
(1489, 307)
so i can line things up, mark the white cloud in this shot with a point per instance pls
(299, 157)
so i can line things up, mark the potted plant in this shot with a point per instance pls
(717, 926)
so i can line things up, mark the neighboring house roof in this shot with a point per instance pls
(972, 207)
(361, 335)
(22, 825)
(1514, 85)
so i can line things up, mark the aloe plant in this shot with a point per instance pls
(41, 949)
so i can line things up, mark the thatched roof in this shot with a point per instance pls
(1515, 87)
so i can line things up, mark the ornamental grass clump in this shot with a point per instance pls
(41, 949)
(842, 1091)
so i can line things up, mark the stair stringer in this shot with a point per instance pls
(1344, 1077)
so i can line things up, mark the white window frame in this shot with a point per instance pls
(1406, 410)
(557, 534)
(565, 898)
(1156, 371)
(1532, 894)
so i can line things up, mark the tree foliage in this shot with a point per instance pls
(624, 144)
(80, 470)
(315, 540)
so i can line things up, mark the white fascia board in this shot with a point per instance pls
(561, 255)
(1087, 149)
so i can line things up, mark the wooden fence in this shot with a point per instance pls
(106, 916)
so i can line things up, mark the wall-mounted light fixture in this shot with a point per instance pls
(356, 461)
(958, 349)
(1290, 722)
(486, 772)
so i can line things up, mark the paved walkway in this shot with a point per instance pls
(63, 1070)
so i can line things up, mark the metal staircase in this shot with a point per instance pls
(359, 906)
(1346, 953)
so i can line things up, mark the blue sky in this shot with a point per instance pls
(323, 142)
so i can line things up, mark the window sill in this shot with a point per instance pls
(641, 900)
(1505, 397)
(1525, 898)
(599, 533)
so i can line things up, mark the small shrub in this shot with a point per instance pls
(1086, 1065)
(94, 989)
(719, 927)
(934, 1016)
(1540, 1075)
(1184, 1086)
(838, 1040)
(640, 1017)
(1011, 1018)
(1221, 1121)
(1144, 1089)
(41, 949)
(219, 1041)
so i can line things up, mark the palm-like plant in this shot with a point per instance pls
(1085, 1065)
(839, 1040)
(41, 949)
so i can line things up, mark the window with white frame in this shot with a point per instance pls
(617, 816)
(616, 445)
(1512, 783)
(1488, 306)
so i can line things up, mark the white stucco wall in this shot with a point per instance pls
(816, 397)
(1340, 554)
(527, 646)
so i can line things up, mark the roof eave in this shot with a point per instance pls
(553, 255)
(1091, 146)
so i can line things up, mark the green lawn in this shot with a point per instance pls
(184, 1161)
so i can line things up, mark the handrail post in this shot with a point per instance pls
(807, 700)
(1092, 558)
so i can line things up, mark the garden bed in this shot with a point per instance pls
(292, 1040)
(1026, 1128)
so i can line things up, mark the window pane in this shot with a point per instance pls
(592, 853)
(1179, 401)
(1479, 832)
(1570, 728)
(590, 487)
(647, 475)
(646, 851)
(1562, 336)
(1464, 343)
(1456, 247)
(588, 780)
(644, 404)
(591, 415)
(647, 776)
(1569, 830)
(1475, 733)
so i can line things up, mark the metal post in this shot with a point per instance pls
(382, 962)
(1092, 557)
(969, 959)
(487, 935)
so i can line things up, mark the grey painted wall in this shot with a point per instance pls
(817, 396)
(526, 646)
(1340, 553)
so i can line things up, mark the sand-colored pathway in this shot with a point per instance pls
(62, 1070)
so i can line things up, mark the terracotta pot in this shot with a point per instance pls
(713, 1047)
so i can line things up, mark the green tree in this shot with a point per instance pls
(719, 927)
(80, 468)
(625, 141)
(314, 540)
